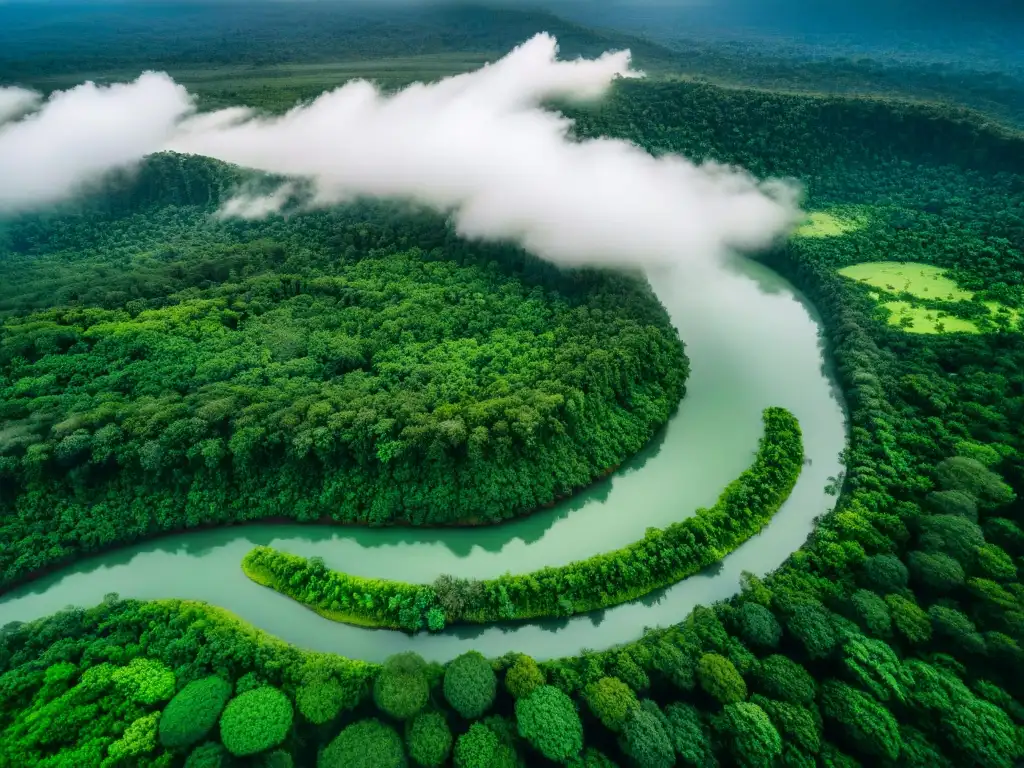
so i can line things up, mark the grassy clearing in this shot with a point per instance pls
(922, 320)
(921, 280)
(822, 224)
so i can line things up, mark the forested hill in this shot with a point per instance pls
(40, 40)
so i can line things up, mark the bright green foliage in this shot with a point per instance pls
(688, 733)
(758, 626)
(645, 739)
(919, 752)
(364, 744)
(811, 623)
(145, 680)
(719, 679)
(748, 732)
(867, 723)
(139, 738)
(611, 701)
(401, 689)
(476, 747)
(872, 613)
(320, 701)
(798, 726)
(193, 712)
(662, 557)
(523, 677)
(626, 669)
(547, 718)
(430, 739)
(256, 721)
(910, 621)
(935, 571)
(211, 754)
(874, 666)
(960, 473)
(779, 677)
(470, 685)
(993, 562)
(885, 574)
(983, 454)
(957, 503)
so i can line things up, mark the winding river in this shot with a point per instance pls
(753, 341)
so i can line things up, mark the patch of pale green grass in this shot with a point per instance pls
(822, 224)
(921, 280)
(921, 320)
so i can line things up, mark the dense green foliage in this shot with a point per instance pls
(255, 721)
(547, 718)
(401, 689)
(662, 557)
(364, 744)
(430, 740)
(895, 635)
(360, 365)
(193, 712)
(470, 685)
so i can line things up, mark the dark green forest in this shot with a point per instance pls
(161, 370)
(892, 638)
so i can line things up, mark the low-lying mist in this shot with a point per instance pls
(477, 146)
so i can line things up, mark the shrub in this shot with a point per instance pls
(401, 688)
(936, 571)
(885, 574)
(994, 563)
(548, 719)
(779, 677)
(956, 503)
(758, 627)
(364, 744)
(954, 536)
(720, 679)
(523, 677)
(476, 748)
(256, 721)
(320, 701)
(430, 739)
(591, 758)
(611, 701)
(866, 722)
(812, 624)
(139, 738)
(470, 685)
(145, 680)
(645, 739)
(688, 734)
(872, 613)
(909, 620)
(209, 755)
(960, 473)
(193, 712)
(749, 735)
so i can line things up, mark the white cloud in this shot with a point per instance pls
(77, 136)
(479, 146)
(14, 102)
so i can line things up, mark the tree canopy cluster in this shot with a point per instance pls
(894, 637)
